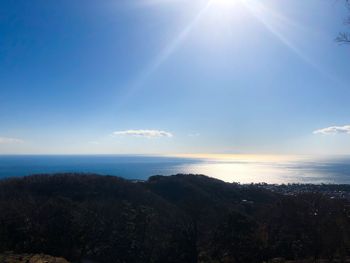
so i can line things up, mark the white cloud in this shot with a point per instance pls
(144, 133)
(334, 130)
(6, 140)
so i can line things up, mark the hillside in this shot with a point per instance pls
(180, 218)
(29, 258)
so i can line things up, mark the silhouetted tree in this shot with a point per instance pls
(344, 37)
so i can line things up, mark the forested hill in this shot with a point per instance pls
(180, 218)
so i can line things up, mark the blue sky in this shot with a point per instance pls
(173, 76)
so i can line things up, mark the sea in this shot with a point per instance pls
(315, 170)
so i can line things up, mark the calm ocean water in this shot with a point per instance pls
(302, 170)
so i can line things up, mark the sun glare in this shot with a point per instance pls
(223, 2)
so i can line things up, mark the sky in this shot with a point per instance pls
(173, 77)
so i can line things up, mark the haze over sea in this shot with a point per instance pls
(243, 169)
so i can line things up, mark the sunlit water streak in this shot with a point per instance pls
(283, 170)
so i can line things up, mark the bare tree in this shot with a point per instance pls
(344, 37)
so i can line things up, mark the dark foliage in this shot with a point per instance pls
(181, 218)
(344, 37)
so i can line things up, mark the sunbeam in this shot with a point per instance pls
(261, 12)
(173, 45)
(222, 12)
(163, 56)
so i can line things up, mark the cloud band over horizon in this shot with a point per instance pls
(144, 133)
(7, 140)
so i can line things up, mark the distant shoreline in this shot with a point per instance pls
(339, 191)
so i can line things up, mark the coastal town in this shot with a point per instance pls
(333, 191)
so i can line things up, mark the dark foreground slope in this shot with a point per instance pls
(29, 258)
(181, 218)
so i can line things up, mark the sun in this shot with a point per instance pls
(223, 10)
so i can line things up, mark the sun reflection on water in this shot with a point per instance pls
(279, 169)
